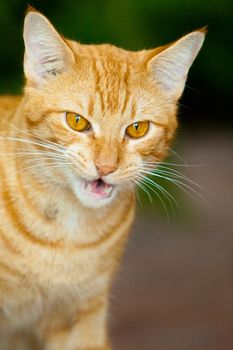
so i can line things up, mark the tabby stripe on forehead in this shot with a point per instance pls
(134, 110)
(112, 82)
(97, 84)
(127, 93)
(90, 108)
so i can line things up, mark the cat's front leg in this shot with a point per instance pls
(88, 333)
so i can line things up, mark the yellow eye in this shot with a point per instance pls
(138, 129)
(77, 122)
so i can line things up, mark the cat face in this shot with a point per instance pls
(110, 112)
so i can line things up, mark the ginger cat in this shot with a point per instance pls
(73, 147)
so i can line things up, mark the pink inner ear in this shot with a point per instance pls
(170, 67)
(46, 52)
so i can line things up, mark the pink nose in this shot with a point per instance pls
(104, 170)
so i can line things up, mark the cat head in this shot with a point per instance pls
(107, 113)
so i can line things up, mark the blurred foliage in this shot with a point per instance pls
(137, 24)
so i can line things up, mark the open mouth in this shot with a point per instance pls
(98, 188)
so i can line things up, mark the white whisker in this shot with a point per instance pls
(176, 174)
(28, 141)
(31, 134)
(164, 192)
(173, 164)
(48, 166)
(25, 154)
(183, 186)
(169, 197)
(143, 188)
(177, 155)
(159, 196)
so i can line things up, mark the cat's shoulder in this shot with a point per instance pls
(8, 105)
(8, 102)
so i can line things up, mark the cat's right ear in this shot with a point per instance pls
(170, 67)
(46, 52)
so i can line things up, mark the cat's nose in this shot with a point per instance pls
(104, 169)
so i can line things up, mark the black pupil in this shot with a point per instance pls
(77, 119)
(136, 125)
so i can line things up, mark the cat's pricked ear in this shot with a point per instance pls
(170, 66)
(46, 53)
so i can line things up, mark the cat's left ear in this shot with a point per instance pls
(170, 66)
(46, 52)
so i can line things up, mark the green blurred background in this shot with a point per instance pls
(137, 24)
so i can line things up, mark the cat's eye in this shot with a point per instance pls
(77, 122)
(138, 129)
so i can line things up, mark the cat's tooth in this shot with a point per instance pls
(89, 187)
(108, 190)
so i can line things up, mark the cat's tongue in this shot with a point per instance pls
(99, 188)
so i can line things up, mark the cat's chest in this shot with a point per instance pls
(70, 271)
(88, 251)
(82, 267)
(63, 279)
(71, 265)
(73, 278)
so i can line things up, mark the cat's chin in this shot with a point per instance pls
(94, 194)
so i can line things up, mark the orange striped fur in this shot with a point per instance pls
(60, 246)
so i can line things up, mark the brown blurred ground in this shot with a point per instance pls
(175, 288)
